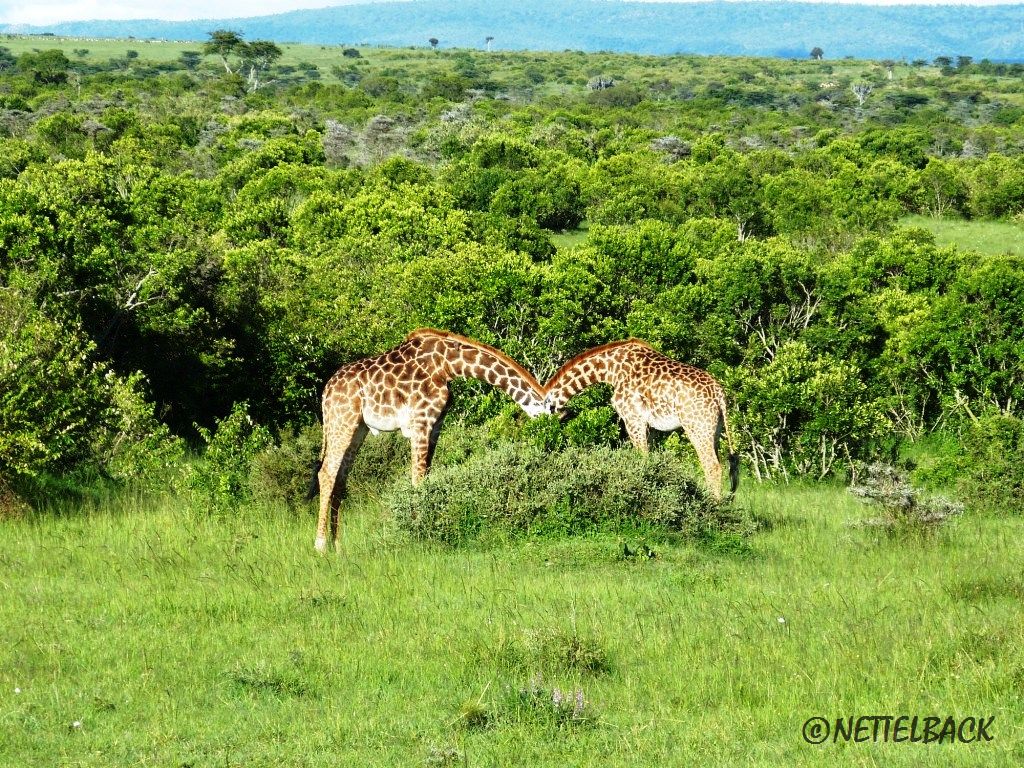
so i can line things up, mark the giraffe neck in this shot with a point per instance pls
(599, 365)
(467, 358)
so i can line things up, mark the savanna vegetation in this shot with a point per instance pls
(193, 238)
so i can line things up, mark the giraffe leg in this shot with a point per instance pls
(708, 457)
(341, 447)
(340, 484)
(636, 424)
(636, 428)
(424, 438)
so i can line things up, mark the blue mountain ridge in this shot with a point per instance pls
(785, 29)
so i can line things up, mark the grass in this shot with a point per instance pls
(570, 238)
(180, 639)
(990, 237)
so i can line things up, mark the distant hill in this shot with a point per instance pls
(785, 29)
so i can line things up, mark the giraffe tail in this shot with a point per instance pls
(734, 457)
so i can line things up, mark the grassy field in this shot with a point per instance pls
(138, 634)
(503, 66)
(994, 237)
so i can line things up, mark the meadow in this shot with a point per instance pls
(140, 633)
(186, 254)
(992, 237)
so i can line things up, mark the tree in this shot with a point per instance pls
(861, 91)
(943, 188)
(223, 43)
(48, 67)
(817, 54)
(488, 40)
(190, 59)
(258, 56)
(433, 42)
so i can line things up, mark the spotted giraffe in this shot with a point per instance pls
(405, 389)
(652, 390)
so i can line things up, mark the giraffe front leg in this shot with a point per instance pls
(424, 436)
(420, 454)
(634, 421)
(636, 429)
(708, 457)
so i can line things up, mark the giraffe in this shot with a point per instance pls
(405, 388)
(652, 390)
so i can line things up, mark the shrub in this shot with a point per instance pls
(803, 414)
(519, 490)
(221, 478)
(985, 466)
(61, 410)
(281, 473)
(904, 509)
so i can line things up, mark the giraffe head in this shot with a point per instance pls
(549, 405)
(541, 407)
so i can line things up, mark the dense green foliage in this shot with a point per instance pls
(516, 491)
(176, 239)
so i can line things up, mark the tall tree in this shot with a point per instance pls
(258, 56)
(224, 43)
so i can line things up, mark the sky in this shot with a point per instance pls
(53, 11)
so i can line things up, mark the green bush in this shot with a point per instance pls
(62, 411)
(985, 466)
(222, 478)
(519, 490)
(281, 472)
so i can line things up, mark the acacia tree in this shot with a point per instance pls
(258, 56)
(817, 54)
(223, 43)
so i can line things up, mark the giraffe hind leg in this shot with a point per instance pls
(341, 448)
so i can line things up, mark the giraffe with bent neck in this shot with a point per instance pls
(405, 389)
(652, 390)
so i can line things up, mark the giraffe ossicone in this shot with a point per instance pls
(652, 390)
(405, 389)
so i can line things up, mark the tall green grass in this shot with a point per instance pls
(175, 637)
(990, 237)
